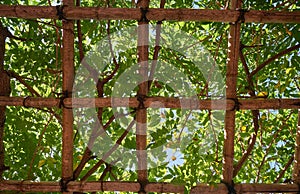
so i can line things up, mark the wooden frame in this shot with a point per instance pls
(86, 13)
(71, 13)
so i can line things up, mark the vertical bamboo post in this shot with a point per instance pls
(231, 81)
(296, 173)
(68, 78)
(141, 114)
(4, 91)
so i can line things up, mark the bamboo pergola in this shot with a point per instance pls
(142, 185)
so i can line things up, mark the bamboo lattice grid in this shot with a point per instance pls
(72, 13)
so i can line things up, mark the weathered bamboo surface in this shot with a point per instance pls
(141, 112)
(68, 79)
(76, 13)
(246, 188)
(231, 83)
(27, 186)
(152, 102)
(75, 186)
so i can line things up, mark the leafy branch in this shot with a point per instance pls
(282, 172)
(107, 154)
(275, 135)
(32, 91)
(100, 89)
(156, 48)
(29, 174)
(87, 155)
(255, 116)
(278, 55)
(255, 113)
(108, 169)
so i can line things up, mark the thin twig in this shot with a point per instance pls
(101, 83)
(297, 82)
(270, 145)
(282, 172)
(157, 47)
(21, 80)
(117, 65)
(215, 135)
(37, 148)
(184, 125)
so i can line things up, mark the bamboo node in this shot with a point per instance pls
(60, 12)
(63, 183)
(21, 186)
(141, 99)
(144, 12)
(24, 101)
(230, 187)
(241, 17)
(236, 104)
(143, 185)
(65, 95)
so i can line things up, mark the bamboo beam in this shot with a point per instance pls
(152, 102)
(28, 186)
(246, 188)
(231, 81)
(68, 78)
(76, 13)
(94, 186)
(141, 113)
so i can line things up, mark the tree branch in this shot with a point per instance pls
(255, 116)
(117, 65)
(31, 90)
(269, 147)
(157, 47)
(22, 81)
(37, 148)
(107, 154)
(281, 174)
(87, 153)
(278, 55)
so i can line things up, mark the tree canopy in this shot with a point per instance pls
(186, 60)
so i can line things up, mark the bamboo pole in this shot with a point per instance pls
(141, 113)
(231, 81)
(94, 186)
(28, 186)
(151, 102)
(246, 188)
(76, 13)
(68, 78)
(4, 91)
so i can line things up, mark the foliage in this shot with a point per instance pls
(33, 137)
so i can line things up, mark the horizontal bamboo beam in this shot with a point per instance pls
(76, 13)
(28, 186)
(75, 186)
(152, 102)
(246, 188)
